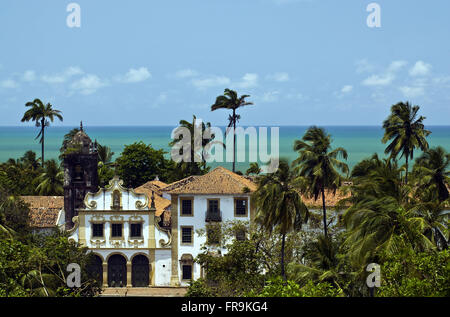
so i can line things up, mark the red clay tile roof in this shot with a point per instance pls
(154, 185)
(161, 203)
(44, 210)
(218, 181)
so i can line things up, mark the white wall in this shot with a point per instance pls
(198, 222)
(163, 267)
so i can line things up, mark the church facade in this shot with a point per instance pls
(122, 229)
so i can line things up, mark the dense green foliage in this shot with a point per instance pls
(416, 274)
(35, 264)
(140, 163)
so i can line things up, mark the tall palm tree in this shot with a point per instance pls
(319, 165)
(39, 113)
(432, 170)
(279, 204)
(51, 180)
(230, 100)
(407, 131)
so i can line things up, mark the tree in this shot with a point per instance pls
(30, 161)
(39, 113)
(416, 274)
(230, 100)
(51, 181)
(105, 155)
(432, 171)
(14, 215)
(406, 131)
(253, 169)
(279, 204)
(198, 146)
(140, 163)
(66, 141)
(319, 166)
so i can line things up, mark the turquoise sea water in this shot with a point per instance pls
(359, 141)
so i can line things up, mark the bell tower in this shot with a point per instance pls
(80, 173)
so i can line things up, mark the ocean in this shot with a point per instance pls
(359, 141)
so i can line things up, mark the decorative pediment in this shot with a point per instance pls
(115, 197)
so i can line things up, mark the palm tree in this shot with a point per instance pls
(66, 141)
(253, 169)
(105, 155)
(382, 227)
(51, 180)
(279, 204)
(30, 161)
(324, 263)
(319, 166)
(432, 171)
(39, 113)
(198, 146)
(406, 130)
(230, 100)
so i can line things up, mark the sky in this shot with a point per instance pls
(302, 62)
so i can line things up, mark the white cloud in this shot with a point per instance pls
(211, 81)
(88, 84)
(62, 77)
(270, 96)
(396, 66)
(186, 73)
(136, 75)
(29, 75)
(412, 92)
(347, 89)
(249, 80)
(379, 80)
(295, 96)
(363, 66)
(420, 69)
(280, 77)
(8, 84)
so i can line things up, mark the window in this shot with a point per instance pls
(213, 234)
(213, 205)
(186, 235)
(240, 235)
(186, 207)
(136, 230)
(187, 272)
(97, 230)
(240, 207)
(116, 230)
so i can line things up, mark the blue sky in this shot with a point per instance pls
(154, 62)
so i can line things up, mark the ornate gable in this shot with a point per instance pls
(115, 197)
